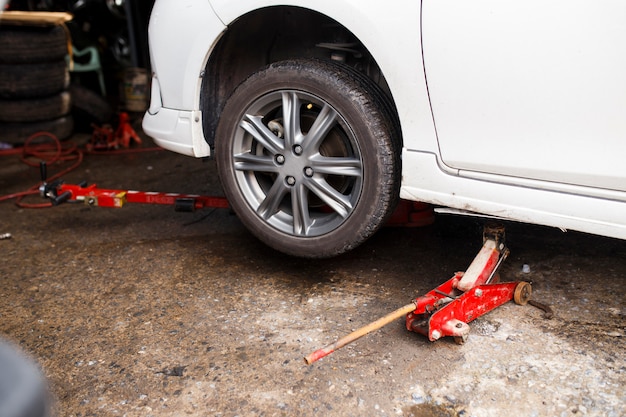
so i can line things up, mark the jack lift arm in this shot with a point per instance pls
(447, 309)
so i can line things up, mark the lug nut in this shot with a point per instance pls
(308, 171)
(280, 159)
(297, 149)
(291, 180)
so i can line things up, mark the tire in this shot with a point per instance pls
(89, 107)
(337, 168)
(30, 44)
(22, 388)
(35, 109)
(33, 80)
(17, 133)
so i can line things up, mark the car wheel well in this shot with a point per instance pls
(275, 34)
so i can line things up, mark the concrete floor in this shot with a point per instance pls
(143, 311)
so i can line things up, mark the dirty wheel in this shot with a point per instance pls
(30, 44)
(35, 109)
(89, 107)
(17, 133)
(33, 80)
(522, 293)
(306, 154)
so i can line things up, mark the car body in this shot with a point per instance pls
(510, 109)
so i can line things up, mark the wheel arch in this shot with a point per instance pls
(272, 34)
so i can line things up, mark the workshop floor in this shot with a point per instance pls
(143, 311)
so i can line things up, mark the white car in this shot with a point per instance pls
(321, 114)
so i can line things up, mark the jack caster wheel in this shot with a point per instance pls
(522, 293)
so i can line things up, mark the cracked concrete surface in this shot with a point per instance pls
(143, 311)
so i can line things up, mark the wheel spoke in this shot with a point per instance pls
(254, 125)
(333, 198)
(256, 163)
(351, 167)
(291, 118)
(300, 209)
(274, 197)
(325, 120)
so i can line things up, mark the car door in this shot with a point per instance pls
(532, 89)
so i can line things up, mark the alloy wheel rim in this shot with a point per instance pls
(297, 163)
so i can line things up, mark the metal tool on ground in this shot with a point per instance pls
(447, 309)
(58, 192)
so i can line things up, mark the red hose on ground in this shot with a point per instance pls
(46, 147)
(43, 147)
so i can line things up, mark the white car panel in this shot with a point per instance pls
(532, 89)
(178, 131)
(399, 55)
(179, 48)
(178, 52)
(526, 204)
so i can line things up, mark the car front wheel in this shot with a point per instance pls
(308, 157)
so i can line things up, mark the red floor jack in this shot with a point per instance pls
(106, 138)
(58, 192)
(447, 310)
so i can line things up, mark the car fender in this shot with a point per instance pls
(179, 52)
(374, 23)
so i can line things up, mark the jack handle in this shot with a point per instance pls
(357, 334)
(50, 191)
(62, 198)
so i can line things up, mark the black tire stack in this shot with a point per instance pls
(34, 81)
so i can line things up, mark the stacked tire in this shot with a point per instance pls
(34, 81)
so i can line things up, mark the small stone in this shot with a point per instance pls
(418, 399)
